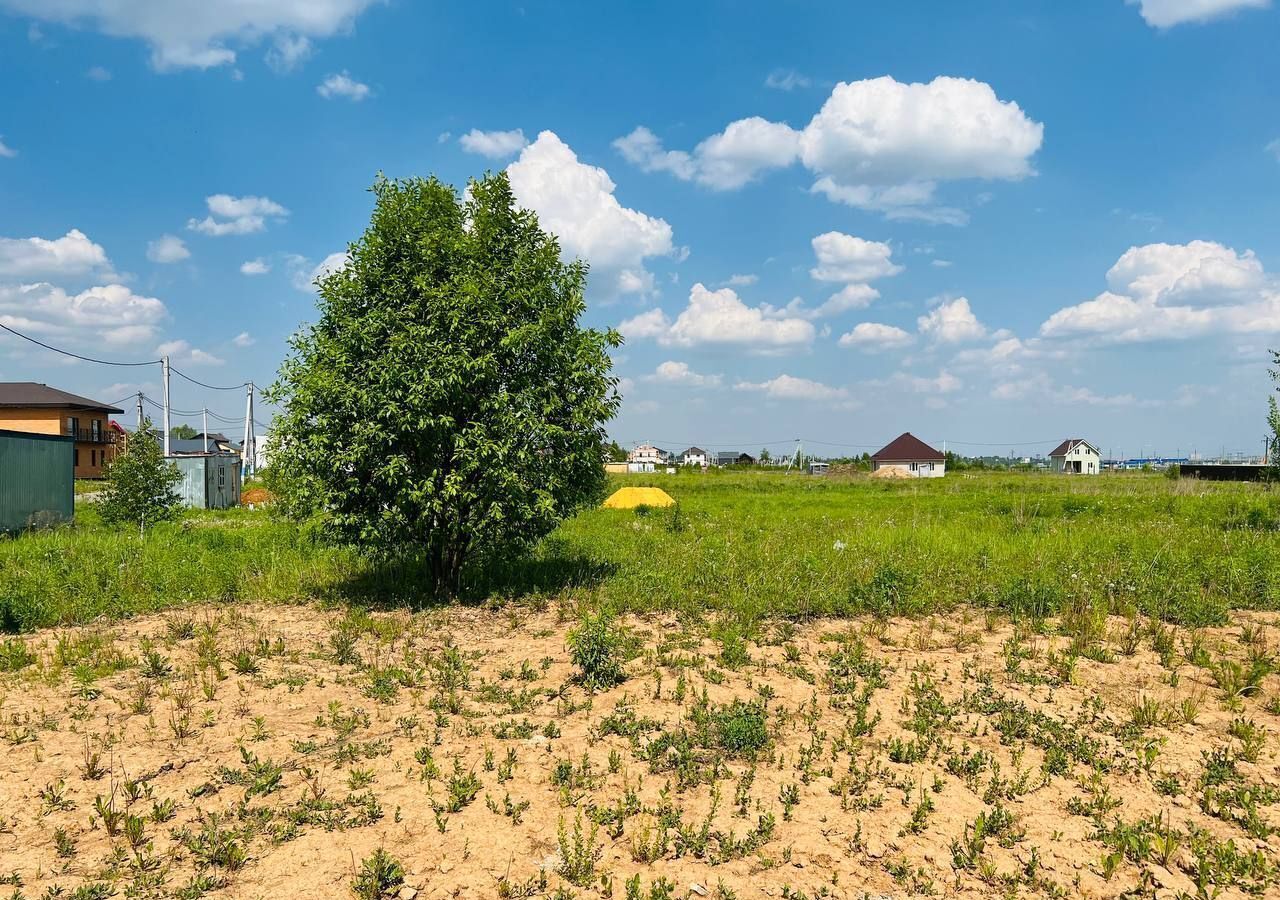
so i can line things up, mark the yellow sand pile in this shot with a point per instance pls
(891, 473)
(631, 497)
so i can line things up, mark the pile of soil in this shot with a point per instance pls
(257, 496)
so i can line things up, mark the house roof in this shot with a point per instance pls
(727, 454)
(909, 448)
(33, 395)
(1070, 444)
(694, 450)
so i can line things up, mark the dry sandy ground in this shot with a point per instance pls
(268, 751)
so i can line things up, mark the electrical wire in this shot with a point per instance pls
(212, 387)
(101, 362)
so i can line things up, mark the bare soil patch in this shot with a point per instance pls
(268, 751)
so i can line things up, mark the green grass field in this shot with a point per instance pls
(747, 547)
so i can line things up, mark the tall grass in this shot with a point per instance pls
(748, 545)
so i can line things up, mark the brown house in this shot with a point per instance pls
(40, 409)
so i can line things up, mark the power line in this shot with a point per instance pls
(212, 387)
(101, 362)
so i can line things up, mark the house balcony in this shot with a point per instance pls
(89, 436)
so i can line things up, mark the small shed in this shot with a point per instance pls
(209, 480)
(37, 480)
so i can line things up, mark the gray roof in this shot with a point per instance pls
(32, 394)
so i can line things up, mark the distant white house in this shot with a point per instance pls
(910, 456)
(648, 453)
(694, 456)
(1076, 456)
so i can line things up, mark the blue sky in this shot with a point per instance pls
(1001, 224)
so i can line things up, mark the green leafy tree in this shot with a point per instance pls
(446, 403)
(613, 452)
(141, 483)
(183, 432)
(765, 456)
(1273, 422)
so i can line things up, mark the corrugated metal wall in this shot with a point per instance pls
(209, 482)
(37, 480)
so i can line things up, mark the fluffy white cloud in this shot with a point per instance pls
(851, 296)
(6, 152)
(198, 35)
(943, 383)
(720, 317)
(110, 314)
(843, 257)
(786, 80)
(236, 215)
(257, 266)
(494, 144)
(304, 274)
(1173, 291)
(876, 144)
(183, 353)
(575, 201)
(1043, 389)
(341, 84)
(167, 248)
(789, 387)
(244, 339)
(951, 322)
(742, 280)
(724, 161)
(672, 372)
(884, 145)
(70, 255)
(288, 51)
(1167, 13)
(651, 324)
(1201, 273)
(875, 336)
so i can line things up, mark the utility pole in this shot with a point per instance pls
(139, 411)
(164, 369)
(204, 427)
(247, 448)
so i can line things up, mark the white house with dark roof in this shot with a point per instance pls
(909, 456)
(694, 456)
(1076, 456)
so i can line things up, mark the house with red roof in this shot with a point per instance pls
(908, 456)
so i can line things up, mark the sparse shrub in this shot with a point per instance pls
(380, 877)
(596, 647)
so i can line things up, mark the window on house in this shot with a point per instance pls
(930, 467)
(76, 462)
(93, 457)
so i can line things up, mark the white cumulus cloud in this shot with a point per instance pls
(183, 353)
(255, 267)
(877, 144)
(110, 314)
(874, 336)
(237, 215)
(951, 322)
(72, 254)
(167, 248)
(494, 144)
(341, 84)
(576, 202)
(1167, 13)
(6, 152)
(724, 161)
(789, 387)
(199, 35)
(843, 257)
(679, 373)
(1174, 291)
(244, 339)
(720, 317)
